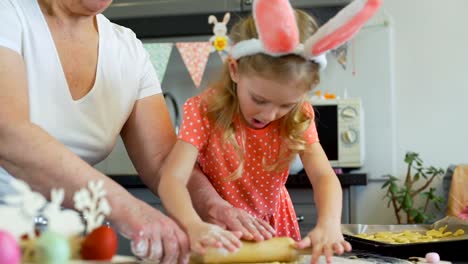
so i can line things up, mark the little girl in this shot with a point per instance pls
(244, 131)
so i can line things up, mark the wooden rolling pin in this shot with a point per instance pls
(278, 249)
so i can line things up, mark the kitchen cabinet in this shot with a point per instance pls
(306, 211)
(124, 9)
(177, 18)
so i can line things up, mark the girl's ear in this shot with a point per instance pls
(233, 69)
(226, 18)
(212, 20)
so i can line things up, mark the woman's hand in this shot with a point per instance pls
(325, 239)
(236, 219)
(153, 235)
(203, 235)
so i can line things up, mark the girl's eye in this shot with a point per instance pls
(257, 101)
(288, 106)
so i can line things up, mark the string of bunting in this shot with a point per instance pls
(195, 54)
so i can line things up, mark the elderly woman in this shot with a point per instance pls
(71, 82)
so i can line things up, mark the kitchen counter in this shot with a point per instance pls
(298, 186)
(299, 180)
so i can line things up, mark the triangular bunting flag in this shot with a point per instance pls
(223, 55)
(195, 56)
(159, 55)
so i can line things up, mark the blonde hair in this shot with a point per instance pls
(223, 107)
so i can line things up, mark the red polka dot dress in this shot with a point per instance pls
(260, 192)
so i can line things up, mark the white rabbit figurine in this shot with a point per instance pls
(220, 40)
(57, 217)
(19, 210)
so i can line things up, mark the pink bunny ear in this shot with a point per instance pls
(276, 25)
(342, 27)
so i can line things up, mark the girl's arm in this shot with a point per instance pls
(172, 188)
(174, 194)
(327, 188)
(326, 237)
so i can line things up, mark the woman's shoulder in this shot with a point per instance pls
(15, 17)
(121, 38)
(115, 29)
(8, 5)
(15, 5)
(14, 11)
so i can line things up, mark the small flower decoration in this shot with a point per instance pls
(220, 43)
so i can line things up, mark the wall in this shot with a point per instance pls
(412, 78)
(430, 87)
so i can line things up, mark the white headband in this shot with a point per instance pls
(254, 46)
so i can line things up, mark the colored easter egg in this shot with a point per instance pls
(432, 257)
(100, 244)
(52, 248)
(9, 249)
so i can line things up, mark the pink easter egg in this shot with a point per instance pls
(9, 249)
(432, 257)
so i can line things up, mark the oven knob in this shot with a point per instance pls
(349, 113)
(349, 136)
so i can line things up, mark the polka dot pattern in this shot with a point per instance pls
(260, 192)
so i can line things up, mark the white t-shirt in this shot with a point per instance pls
(89, 126)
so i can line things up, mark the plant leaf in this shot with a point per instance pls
(385, 184)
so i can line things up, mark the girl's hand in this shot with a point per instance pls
(203, 235)
(325, 239)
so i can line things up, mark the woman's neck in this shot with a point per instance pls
(62, 15)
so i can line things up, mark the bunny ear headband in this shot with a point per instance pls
(279, 35)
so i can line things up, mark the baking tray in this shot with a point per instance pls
(452, 249)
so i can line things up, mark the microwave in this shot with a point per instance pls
(340, 127)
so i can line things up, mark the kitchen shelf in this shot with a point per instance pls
(299, 180)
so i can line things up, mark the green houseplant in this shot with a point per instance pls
(412, 198)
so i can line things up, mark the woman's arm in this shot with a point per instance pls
(214, 209)
(30, 153)
(149, 136)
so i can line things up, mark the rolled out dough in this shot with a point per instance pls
(279, 249)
